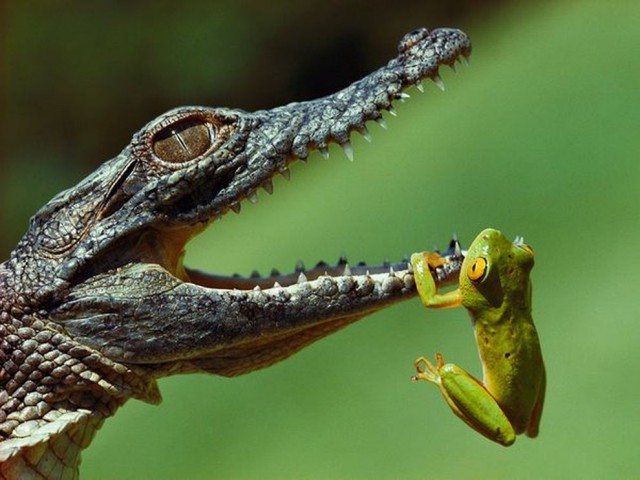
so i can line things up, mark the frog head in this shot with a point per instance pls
(496, 270)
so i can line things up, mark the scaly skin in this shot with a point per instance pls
(95, 304)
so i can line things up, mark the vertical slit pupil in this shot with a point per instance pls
(183, 141)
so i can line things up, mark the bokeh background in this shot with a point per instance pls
(538, 137)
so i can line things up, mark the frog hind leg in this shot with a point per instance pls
(468, 399)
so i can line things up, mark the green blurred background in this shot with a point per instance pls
(539, 137)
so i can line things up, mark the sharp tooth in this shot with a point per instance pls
(404, 95)
(257, 288)
(457, 251)
(438, 81)
(253, 197)
(276, 285)
(453, 66)
(236, 207)
(285, 172)
(324, 151)
(381, 121)
(302, 278)
(347, 270)
(391, 271)
(464, 60)
(420, 87)
(409, 267)
(365, 133)
(348, 151)
(392, 111)
(268, 186)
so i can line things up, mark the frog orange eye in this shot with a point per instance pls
(477, 269)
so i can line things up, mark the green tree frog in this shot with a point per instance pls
(495, 288)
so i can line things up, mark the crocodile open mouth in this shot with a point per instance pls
(201, 163)
(300, 275)
(337, 116)
(125, 290)
(446, 273)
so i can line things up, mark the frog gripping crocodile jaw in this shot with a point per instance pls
(95, 304)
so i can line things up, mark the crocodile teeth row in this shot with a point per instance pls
(327, 285)
(346, 146)
(302, 278)
(346, 272)
(253, 196)
(402, 96)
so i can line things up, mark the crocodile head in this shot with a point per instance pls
(103, 260)
(95, 303)
(105, 257)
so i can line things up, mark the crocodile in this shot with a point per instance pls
(96, 304)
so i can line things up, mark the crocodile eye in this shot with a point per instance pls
(477, 269)
(183, 140)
